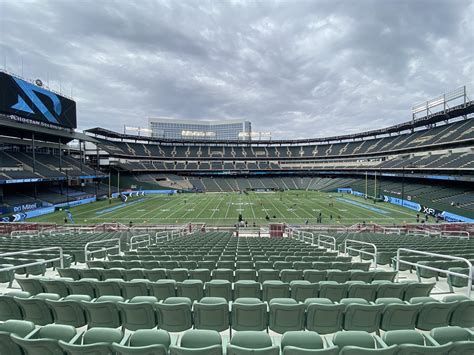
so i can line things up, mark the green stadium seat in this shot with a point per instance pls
(364, 317)
(174, 314)
(32, 285)
(275, 289)
(268, 275)
(247, 288)
(93, 341)
(19, 328)
(249, 314)
(398, 314)
(69, 273)
(354, 338)
(314, 276)
(110, 287)
(133, 288)
(333, 290)
(162, 289)
(288, 275)
(179, 274)
(138, 313)
(223, 274)
(301, 290)
(245, 274)
(463, 312)
(154, 274)
(305, 343)
(286, 314)
(212, 313)
(200, 274)
(323, 316)
(198, 342)
(44, 340)
(9, 309)
(252, 342)
(82, 287)
(144, 341)
(433, 313)
(69, 310)
(35, 309)
(415, 289)
(56, 286)
(219, 288)
(365, 291)
(103, 312)
(192, 289)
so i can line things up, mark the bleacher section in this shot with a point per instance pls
(212, 293)
(19, 165)
(454, 132)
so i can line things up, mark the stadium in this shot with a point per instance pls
(214, 243)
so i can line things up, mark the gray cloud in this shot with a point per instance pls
(296, 68)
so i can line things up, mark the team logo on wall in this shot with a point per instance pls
(36, 95)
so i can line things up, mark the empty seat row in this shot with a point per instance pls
(196, 289)
(207, 264)
(19, 336)
(181, 274)
(178, 314)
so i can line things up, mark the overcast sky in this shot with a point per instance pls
(295, 68)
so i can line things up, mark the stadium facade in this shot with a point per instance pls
(171, 128)
(425, 164)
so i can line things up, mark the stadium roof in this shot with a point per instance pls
(17, 129)
(456, 111)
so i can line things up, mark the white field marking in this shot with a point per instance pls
(214, 209)
(251, 208)
(315, 210)
(170, 202)
(204, 208)
(341, 210)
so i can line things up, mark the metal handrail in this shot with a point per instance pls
(442, 256)
(374, 254)
(389, 230)
(331, 244)
(30, 251)
(163, 235)
(459, 234)
(86, 252)
(24, 233)
(132, 240)
(304, 236)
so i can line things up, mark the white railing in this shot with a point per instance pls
(328, 243)
(62, 231)
(391, 230)
(159, 236)
(455, 234)
(24, 233)
(360, 251)
(39, 262)
(145, 238)
(441, 256)
(106, 249)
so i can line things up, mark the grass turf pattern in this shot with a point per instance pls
(224, 208)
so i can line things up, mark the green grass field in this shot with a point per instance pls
(223, 209)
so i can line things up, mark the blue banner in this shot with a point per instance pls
(404, 203)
